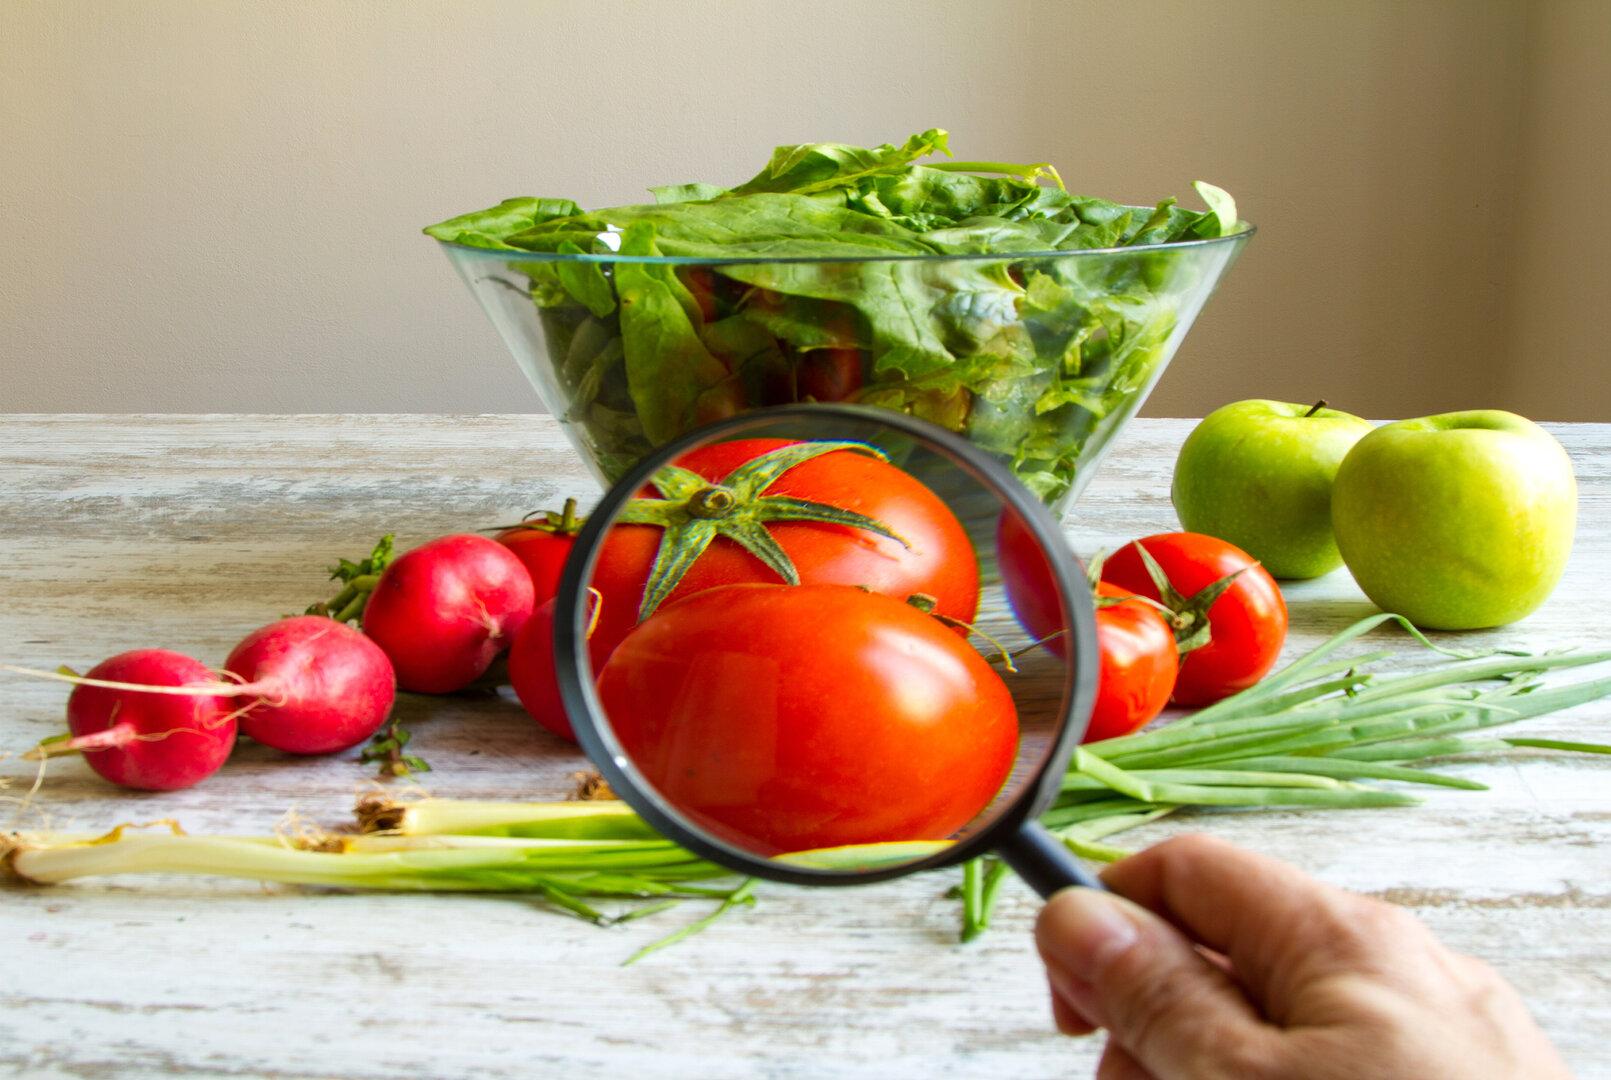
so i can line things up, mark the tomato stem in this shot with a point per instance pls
(565, 523)
(712, 503)
(926, 604)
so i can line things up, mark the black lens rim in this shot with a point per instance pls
(573, 666)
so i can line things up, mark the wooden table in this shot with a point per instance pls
(122, 532)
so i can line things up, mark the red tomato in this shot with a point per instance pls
(788, 718)
(1139, 665)
(939, 561)
(1247, 624)
(1027, 578)
(829, 374)
(702, 283)
(721, 401)
(542, 552)
(1136, 644)
(531, 671)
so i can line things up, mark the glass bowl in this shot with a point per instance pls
(1039, 358)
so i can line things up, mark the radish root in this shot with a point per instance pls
(221, 688)
(115, 738)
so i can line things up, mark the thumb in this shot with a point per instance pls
(1125, 969)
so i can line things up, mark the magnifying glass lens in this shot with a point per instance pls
(826, 644)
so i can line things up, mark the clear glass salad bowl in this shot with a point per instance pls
(1039, 358)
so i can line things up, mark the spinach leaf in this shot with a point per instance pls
(488, 228)
(680, 193)
(810, 167)
(586, 282)
(781, 225)
(1038, 360)
(667, 365)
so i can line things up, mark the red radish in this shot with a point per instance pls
(157, 729)
(444, 611)
(318, 685)
(531, 670)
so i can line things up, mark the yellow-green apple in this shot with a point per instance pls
(1258, 473)
(1456, 521)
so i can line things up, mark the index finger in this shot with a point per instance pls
(1279, 927)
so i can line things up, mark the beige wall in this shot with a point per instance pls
(214, 206)
(1558, 346)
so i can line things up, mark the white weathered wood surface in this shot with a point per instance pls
(185, 532)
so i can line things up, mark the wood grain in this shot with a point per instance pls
(120, 532)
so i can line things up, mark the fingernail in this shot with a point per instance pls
(1084, 931)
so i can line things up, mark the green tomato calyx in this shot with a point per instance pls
(564, 523)
(1188, 615)
(712, 503)
(693, 512)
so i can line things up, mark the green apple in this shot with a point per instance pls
(1258, 473)
(1456, 521)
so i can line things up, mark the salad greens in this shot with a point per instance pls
(1036, 358)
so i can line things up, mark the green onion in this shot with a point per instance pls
(972, 898)
(744, 894)
(1077, 781)
(600, 819)
(1315, 734)
(1339, 768)
(566, 853)
(438, 864)
(1561, 744)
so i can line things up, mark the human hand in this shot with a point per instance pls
(1212, 962)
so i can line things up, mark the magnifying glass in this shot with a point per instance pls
(830, 645)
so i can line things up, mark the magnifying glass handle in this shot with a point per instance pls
(1044, 861)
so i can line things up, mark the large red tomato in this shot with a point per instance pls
(1247, 623)
(938, 558)
(788, 718)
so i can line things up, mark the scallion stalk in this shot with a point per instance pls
(604, 819)
(602, 851)
(1316, 733)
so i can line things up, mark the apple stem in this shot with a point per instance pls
(1316, 407)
